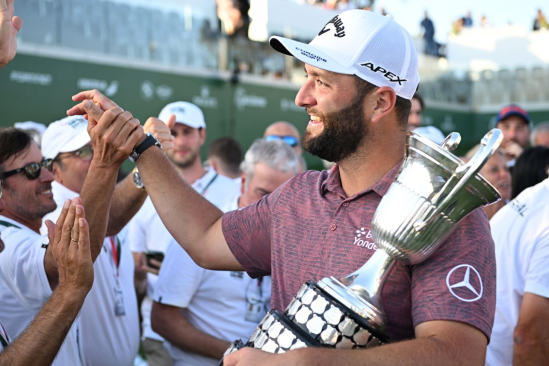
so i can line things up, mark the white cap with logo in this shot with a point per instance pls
(359, 42)
(185, 113)
(66, 135)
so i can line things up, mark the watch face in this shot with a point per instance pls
(137, 180)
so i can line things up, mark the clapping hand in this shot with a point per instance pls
(9, 27)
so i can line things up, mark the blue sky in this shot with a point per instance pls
(443, 12)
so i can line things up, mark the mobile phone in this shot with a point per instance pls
(158, 256)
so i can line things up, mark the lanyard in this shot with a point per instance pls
(203, 193)
(116, 250)
(4, 338)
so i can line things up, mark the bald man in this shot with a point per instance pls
(288, 133)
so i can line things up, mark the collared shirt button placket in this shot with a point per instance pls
(333, 226)
(345, 204)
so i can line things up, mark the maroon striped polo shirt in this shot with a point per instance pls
(308, 229)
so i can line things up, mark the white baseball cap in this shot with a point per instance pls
(66, 135)
(185, 113)
(359, 42)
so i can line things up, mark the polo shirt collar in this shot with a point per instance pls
(332, 182)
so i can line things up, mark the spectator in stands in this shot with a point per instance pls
(497, 173)
(515, 124)
(200, 311)
(40, 342)
(233, 15)
(484, 21)
(288, 133)
(428, 29)
(68, 144)
(540, 135)
(521, 236)
(146, 231)
(27, 192)
(225, 156)
(540, 22)
(9, 27)
(530, 169)
(414, 118)
(468, 20)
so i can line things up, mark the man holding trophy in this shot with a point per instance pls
(361, 74)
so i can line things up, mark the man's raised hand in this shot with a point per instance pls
(9, 27)
(162, 131)
(70, 245)
(113, 131)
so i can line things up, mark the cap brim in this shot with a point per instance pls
(311, 55)
(79, 141)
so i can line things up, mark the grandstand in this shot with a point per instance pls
(149, 49)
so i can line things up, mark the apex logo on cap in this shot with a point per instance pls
(75, 122)
(392, 77)
(339, 28)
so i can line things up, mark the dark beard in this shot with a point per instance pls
(343, 132)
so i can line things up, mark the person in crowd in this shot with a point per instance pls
(416, 112)
(110, 309)
(40, 342)
(521, 235)
(225, 155)
(496, 172)
(530, 169)
(540, 135)
(34, 129)
(147, 234)
(288, 133)
(198, 311)
(304, 230)
(9, 27)
(515, 124)
(428, 30)
(28, 271)
(540, 22)
(468, 20)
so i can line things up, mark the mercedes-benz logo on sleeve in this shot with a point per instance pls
(464, 283)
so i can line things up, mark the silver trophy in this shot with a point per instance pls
(433, 191)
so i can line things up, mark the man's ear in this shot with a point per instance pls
(202, 133)
(384, 103)
(242, 183)
(56, 171)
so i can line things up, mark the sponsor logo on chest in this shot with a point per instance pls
(364, 239)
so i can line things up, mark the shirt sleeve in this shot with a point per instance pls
(22, 268)
(247, 231)
(458, 282)
(537, 276)
(179, 278)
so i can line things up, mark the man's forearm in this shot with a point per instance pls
(40, 342)
(96, 196)
(421, 351)
(177, 330)
(127, 200)
(177, 202)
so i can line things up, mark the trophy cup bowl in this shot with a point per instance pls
(433, 191)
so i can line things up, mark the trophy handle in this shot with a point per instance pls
(451, 141)
(488, 145)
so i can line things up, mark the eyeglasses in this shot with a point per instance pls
(32, 170)
(1, 188)
(290, 140)
(85, 153)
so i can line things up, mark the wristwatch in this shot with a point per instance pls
(137, 179)
(149, 141)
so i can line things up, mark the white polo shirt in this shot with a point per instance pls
(105, 338)
(24, 286)
(521, 236)
(214, 302)
(146, 232)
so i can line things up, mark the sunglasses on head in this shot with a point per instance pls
(32, 170)
(290, 140)
(85, 153)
